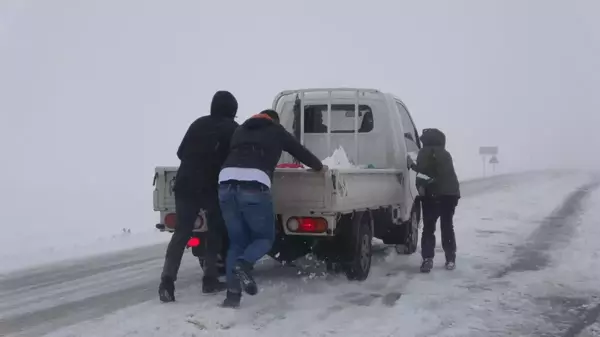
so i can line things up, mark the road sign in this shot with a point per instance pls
(488, 150)
(485, 151)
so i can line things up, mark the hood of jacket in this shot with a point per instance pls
(223, 104)
(433, 137)
(258, 121)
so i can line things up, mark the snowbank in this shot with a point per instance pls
(33, 256)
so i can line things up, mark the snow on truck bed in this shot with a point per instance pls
(338, 159)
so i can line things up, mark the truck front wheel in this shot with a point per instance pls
(412, 235)
(359, 264)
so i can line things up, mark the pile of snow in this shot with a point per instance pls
(338, 159)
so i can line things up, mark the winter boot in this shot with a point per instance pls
(427, 265)
(166, 290)
(212, 285)
(232, 300)
(242, 270)
(451, 261)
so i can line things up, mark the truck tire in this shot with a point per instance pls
(333, 267)
(412, 237)
(360, 252)
(220, 266)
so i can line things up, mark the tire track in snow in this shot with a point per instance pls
(591, 316)
(565, 315)
(557, 228)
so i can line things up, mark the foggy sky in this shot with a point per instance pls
(94, 94)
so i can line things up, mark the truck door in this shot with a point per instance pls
(413, 144)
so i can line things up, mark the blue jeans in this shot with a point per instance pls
(247, 209)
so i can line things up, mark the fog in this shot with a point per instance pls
(95, 94)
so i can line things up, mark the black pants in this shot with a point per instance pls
(187, 210)
(435, 208)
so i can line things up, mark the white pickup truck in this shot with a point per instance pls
(335, 214)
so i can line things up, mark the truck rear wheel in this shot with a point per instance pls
(220, 265)
(360, 252)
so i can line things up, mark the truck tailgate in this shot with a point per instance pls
(297, 191)
(164, 179)
(301, 190)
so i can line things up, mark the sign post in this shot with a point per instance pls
(494, 161)
(484, 152)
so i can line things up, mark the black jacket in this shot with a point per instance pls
(258, 144)
(436, 162)
(204, 148)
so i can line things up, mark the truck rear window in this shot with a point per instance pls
(342, 118)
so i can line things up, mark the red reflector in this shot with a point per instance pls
(312, 225)
(289, 165)
(193, 242)
(170, 220)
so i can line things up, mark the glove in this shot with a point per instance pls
(410, 162)
(324, 168)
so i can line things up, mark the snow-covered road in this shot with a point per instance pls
(527, 266)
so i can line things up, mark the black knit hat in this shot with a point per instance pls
(271, 113)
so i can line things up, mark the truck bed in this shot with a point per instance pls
(164, 180)
(300, 191)
(296, 191)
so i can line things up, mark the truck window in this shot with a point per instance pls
(410, 132)
(342, 118)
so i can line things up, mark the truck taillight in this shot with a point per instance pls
(290, 165)
(306, 225)
(193, 242)
(170, 220)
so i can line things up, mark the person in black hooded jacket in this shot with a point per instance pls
(440, 192)
(202, 152)
(245, 196)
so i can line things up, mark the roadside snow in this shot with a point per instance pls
(565, 294)
(396, 300)
(34, 254)
(578, 264)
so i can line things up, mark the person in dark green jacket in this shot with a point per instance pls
(439, 192)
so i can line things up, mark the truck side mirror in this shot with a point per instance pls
(409, 136)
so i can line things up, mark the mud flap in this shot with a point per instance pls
(200, 250)
(396, 235)
(290, 248)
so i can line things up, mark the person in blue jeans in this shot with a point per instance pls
(245, 196)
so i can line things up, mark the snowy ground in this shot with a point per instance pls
(527, 266)
(15, 256)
